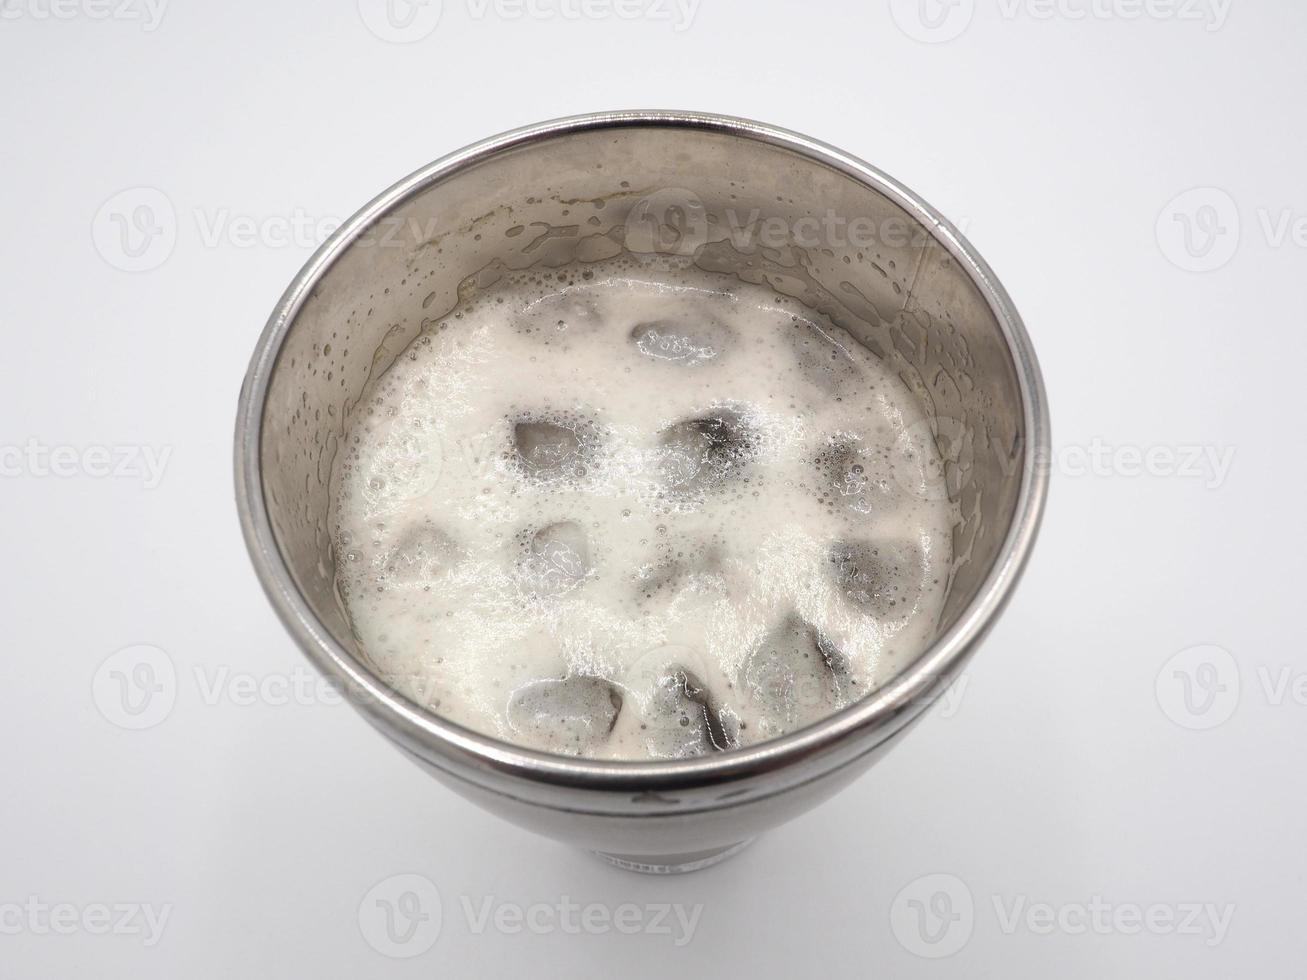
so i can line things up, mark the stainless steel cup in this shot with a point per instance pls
(751, 200)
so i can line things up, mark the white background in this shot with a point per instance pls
(1071, 771)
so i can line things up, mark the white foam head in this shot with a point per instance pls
(635, 509)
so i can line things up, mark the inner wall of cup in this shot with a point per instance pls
(760, 212)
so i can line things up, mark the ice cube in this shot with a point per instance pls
(559, 316)
(824, 356)
(572, 715)
(699, 454)
(857, 477)
(547, 448)
(683, 719)
(885, 578)
(681, 341)
(681, 564)
(557, 558)
(795, 677)
(423, 553)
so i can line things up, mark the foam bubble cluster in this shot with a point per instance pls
(634, 510)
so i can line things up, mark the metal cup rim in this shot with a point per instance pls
(848, 733)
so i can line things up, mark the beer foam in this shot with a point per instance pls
(633, 509)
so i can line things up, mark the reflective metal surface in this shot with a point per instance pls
(761, 203)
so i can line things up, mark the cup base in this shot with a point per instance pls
(673, 864)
